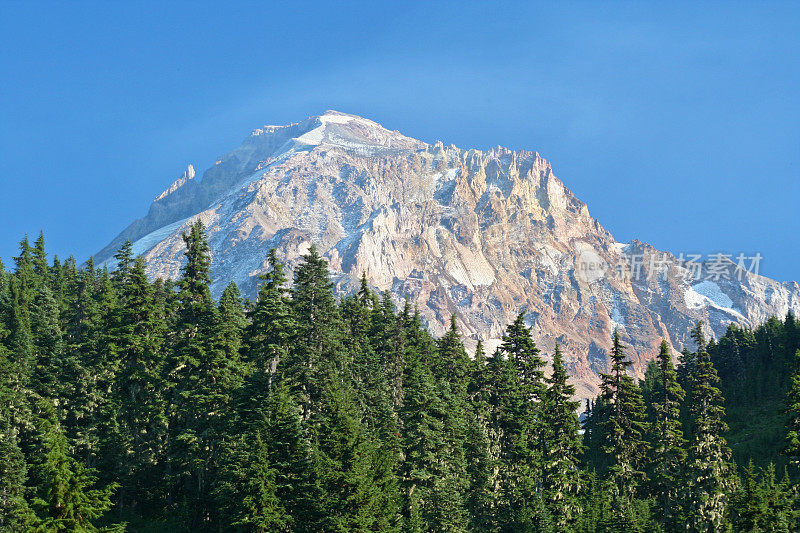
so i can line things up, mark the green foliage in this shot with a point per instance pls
(561, 475)
(668, 447)
(123, 398)
(67, 499)
(709, 470)
(624, 428)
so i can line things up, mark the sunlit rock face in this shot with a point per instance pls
(480, 234)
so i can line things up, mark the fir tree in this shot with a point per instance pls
(124, 258)
(47, 344)
(230, 324)
(39, 259)
(792, 449)
(561, 480)
(272, 325)
(355, 492)
(452, 364)
(137, 393)
(67, 499)
(708, 471)
(624, 430)
(15, 515)
(247, 493)
(290, 454)
(668, 454)
(203, 379)
(318, 350)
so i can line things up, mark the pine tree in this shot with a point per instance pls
(290, 454)
(230, 324)
(668, 454)
(452, 364)
(515, 380)
(39, 259)
(792, 448)
(272, 325)
(624, 430)
(355, 493)
(15, 514)
(366, 371)
(47, 344)
(504, 403)
(137, 393)
(709, 469)
(425, 472)
(247, 493)
(203, 379)
(479, 500)
(561, 481)
(67, 499)
(124, 258)
(765, 504)
(318, 349)
(20, 339)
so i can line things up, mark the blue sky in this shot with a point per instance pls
(677, 123)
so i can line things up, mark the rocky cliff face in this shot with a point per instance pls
(479, 234)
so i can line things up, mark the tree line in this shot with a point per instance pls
(130, 404)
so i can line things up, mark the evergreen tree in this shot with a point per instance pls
(429, 499)
(318, 351)
(668, 453)
(763, 504)
(247, 493)
(792, 449)
(452, 364)
(708, 470)
(357, 496)
(561, 479)
(47, 344)
(290, 455)
(15, 515)
(624, 430)
(230, 324)
(39, 259)
(67, 499)
(271, 328)
(138, 411)
(203, 379)
(124, 258)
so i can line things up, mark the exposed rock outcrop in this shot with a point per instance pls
(482, 234)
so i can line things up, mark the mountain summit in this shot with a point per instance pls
(482, 235)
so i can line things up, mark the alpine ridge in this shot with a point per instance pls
(479, 234)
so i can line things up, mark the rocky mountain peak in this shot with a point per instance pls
(482, 234)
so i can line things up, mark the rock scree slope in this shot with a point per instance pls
(479, 234)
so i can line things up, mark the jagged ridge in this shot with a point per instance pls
(482, 234)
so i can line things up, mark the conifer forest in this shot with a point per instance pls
(130, 404)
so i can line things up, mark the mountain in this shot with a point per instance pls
(481, 235)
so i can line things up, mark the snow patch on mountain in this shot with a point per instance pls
(707, 293)
(479, 234)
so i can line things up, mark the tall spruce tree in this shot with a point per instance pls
(668, 453)
(290, 454)
(272, 326)
(625, 428)
(203, 380)
(15, 514)
(709, 472)
(138, 411)
(792, 449)
(318, 351)
(247, 491)
(561, 476)
(67, 499)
